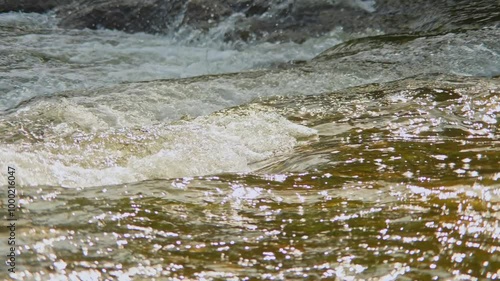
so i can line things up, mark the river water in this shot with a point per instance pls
(377, 159)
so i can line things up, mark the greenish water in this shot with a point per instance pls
(401, 182)
(375, 159)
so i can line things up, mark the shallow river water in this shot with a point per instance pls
(379, 159)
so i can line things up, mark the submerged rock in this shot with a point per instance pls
(154, 16)
(265, 20)
(435, 16)
(151, 16)
(36, 6)
(276, 20)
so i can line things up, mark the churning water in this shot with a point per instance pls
(379, 159)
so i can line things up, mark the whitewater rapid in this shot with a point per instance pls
(38, 58)
(78, 111)
(230, 142)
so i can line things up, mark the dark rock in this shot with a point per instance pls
(279, 20)
(203, 14)
(35, 6)
(254, 8)
(151, 16)
(250, 7)
(301, 21)
(435, 16)
(276, 20)
(154, 16)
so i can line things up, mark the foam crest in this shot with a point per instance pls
(224, 142)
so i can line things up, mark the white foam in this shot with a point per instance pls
(212, 144)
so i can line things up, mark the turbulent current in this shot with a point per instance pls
(349, 156)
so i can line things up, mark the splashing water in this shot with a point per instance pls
(376, 160)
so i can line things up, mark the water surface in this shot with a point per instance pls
(376, 160)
